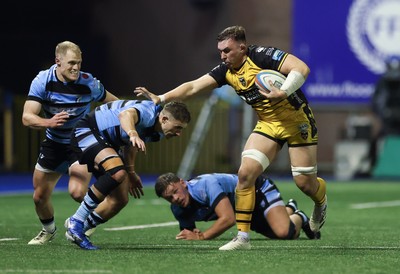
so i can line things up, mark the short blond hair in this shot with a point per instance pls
(63, 47)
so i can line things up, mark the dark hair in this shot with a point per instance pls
(178, 111)
(163, 181)
(237, 33)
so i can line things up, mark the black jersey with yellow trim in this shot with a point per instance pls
(242, 80)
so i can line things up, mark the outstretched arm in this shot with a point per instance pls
(182, 92)
(226, 219)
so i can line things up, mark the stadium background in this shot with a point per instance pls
(160, 45)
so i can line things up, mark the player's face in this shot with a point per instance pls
(172, 127)
(232, 53)
(68, 66)
(177, 194)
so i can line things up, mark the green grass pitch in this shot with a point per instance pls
(361, 235)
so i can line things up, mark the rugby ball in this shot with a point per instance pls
(264, 76)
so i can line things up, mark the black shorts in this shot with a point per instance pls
(56, 156)
(266, 198)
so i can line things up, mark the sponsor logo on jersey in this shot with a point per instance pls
(278, 55)
(373, 31)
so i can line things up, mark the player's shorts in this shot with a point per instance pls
(55, 157)
(267, 197)
(87, 143)
(297, 129)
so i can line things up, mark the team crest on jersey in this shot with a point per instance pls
(85, 76)
(242, 81)
(304, 131)
(373, 30)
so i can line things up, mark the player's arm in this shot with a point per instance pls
(135, 182)
(182, 92)
(297, 72)
(128, 118)
(225, 220)
(31, 118)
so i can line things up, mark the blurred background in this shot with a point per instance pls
(160, 44)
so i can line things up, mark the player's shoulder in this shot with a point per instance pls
(86, 77)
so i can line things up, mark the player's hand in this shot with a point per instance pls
(187, 234)
(275, 94)
(135, 186)
(142, 91)
(138, 143)
(58, 119)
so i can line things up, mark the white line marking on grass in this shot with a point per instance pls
(54, 271)
(254, 247)
(8, 239)
(376, 204)
(141, 226)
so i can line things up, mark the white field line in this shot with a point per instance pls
(8, 239)
(376, 204)
(141, 226)
(54, 271)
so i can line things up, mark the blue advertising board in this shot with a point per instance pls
(346, 44)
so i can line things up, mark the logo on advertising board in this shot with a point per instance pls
(373, 31)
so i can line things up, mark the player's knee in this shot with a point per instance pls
(110, 180)
(288, 233)
(257, 156)
(113, 166)
(305, 178)
(41, 196)
(77, 194)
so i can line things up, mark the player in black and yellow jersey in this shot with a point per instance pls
(283, 117)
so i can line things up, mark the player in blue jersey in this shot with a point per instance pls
(64, 94)
(284, 116)
(211, 197)
(97, 139)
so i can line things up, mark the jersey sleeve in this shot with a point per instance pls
(37, 88)
(267, 57)
(96, 87)
(218, 73)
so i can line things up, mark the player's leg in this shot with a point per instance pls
(109, 207)
(44, 182)
(255, 159)
(285, 227)
(113, 173)
(304, 171)
(79, 179)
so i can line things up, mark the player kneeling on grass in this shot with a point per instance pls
(98, 137)
(211, 197)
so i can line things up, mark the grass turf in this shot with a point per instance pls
(353, 240)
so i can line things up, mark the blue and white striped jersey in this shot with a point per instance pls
(207, 191)
(109, 124)
(72, 97)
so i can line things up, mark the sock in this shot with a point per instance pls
(49, 225)
(244, 206)
(319, 196)
(244, 234)
(88, 205)
(303, 217)
(92, 221)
